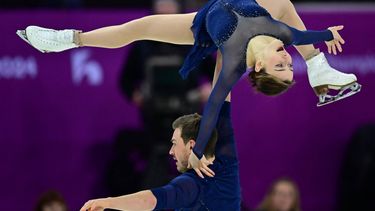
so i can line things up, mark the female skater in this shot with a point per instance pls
(243, 31)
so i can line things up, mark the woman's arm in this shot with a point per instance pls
(303, 38)
(331, 37)
(233, 66)
(218, 67)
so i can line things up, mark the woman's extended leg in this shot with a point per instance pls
(174, 28)
(171, 28)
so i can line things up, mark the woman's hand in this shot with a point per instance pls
(200, 166)
(337, 40)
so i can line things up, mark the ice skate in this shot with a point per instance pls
(48, 40)
(323, 77)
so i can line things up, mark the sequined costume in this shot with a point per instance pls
(229, 25)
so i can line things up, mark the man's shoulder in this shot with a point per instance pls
(188, 177)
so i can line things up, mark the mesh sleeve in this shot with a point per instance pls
(225, 144)
(310, 36)
(232, 70)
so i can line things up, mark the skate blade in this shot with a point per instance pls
(345, 86)
(23, 36)
(357, 89)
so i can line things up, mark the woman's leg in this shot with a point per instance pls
(173, 29)
(291, 18)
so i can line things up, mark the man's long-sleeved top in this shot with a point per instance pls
(221, 192)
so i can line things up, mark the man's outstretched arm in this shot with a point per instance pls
(143, 200)
(179, 193)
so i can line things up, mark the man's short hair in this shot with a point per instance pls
(189, 126)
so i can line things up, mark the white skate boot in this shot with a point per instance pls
(323, 76)
(48, 40)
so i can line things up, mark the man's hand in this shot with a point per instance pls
(337, 40)
(95, 205)
(200, 166)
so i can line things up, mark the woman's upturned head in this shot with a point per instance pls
(273, 70)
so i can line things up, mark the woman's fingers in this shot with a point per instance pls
(342, 41)
(199, 173)
(207, 171)
(329, 47)
(338, 28)
(338, 45)
(336, 35)
(339, 38)
(334, 49)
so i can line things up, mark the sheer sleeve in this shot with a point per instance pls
(308, 37)
(225, 145)
(181, 192)
(233, 67)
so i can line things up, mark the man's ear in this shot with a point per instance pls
(191, 143)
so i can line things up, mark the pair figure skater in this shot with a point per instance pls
(188, 191)
(245, 34)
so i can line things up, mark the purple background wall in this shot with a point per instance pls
(57, 110)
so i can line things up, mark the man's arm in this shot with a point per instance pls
(179, 193)
(143, 200)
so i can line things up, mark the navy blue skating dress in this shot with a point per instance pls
(229, 25)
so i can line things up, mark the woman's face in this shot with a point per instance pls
(277, 61)
(283, 196)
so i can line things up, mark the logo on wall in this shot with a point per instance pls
(84, 67)
(18, 67)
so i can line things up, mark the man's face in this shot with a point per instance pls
(179, 151)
